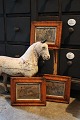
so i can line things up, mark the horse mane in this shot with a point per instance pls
(31, 54)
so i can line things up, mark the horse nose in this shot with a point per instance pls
(48, 56)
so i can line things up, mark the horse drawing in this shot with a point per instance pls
(26, 65)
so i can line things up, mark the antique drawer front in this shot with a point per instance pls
(1, 6)
(47, 66)
(71, 30)
(18, 29)
(70, 5)
(69, 62)
(47, 6)
(1, 29)
(2, 49)
(17, 6)
(15, 50)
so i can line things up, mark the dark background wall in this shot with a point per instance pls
(15, 21)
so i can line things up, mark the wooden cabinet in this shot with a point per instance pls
(15, 23)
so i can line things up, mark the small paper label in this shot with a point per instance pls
(70, 55)
(71, 22)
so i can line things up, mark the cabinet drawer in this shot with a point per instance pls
(2, 49)
(70, 5)
(70, 65)
(71, 34)
(1, 29)
(18, 29)
(15, 50)
(47, 6)
(17, 6)
(1, 6)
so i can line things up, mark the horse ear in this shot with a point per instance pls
(43, 41)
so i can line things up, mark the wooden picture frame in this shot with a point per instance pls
(50, 30)
(58, 88)
(26, 91)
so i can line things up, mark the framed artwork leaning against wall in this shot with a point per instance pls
(49, 30)
(57, 88)
(28, 91)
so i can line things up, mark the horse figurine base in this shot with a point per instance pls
(26, 65)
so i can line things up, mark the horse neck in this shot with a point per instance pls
(30, 55)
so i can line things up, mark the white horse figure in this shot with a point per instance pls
(26, 65)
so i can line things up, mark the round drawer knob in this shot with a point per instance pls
(16, 29)
(71, 29)
(69, 63)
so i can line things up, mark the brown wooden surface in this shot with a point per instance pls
(55, 72)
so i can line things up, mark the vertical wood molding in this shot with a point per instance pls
(34, 10)
(55, 62)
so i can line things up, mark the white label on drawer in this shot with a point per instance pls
(71, 22)
(70, 55)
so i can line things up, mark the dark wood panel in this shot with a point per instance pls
(47, 6)
(71, 37)
(71, 5)
(69, 67)
(17, 6)
(1, 6)
(2, 49)
(18, 29)
(1, 29)
(15, 50)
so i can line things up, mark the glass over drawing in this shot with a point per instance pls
(28, 91)
(48, 33)
(55, 88)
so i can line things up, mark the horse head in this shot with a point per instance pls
(42, 50)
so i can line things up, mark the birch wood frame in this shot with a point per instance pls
(58, 96)
(50, 30)
(30, 89)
